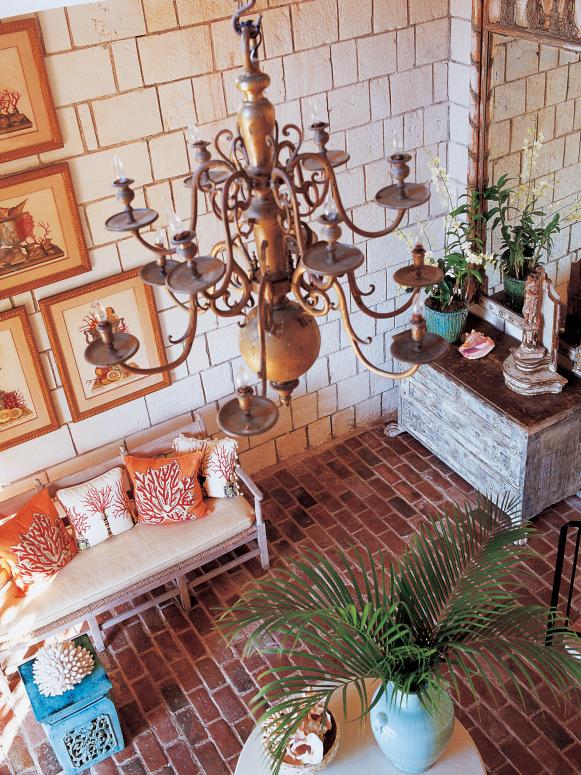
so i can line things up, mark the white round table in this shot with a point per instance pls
(359, 753)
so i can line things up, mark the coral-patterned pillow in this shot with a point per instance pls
(166, 489)
(35, 542)
(98, 509)
(218, 466)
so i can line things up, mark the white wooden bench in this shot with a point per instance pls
(132, 563)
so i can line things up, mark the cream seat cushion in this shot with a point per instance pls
(122, 562)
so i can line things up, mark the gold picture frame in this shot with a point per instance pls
(71, 319)
(28, 119)
(41, 237)
(26, 407)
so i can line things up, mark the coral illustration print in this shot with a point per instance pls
(43, 550)
(104, 377)
(12, 407)
(11, 117)
(164, 493)
(23, 241)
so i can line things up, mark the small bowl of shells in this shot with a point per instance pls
(313, 745)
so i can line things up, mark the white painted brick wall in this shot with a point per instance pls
(127, 77)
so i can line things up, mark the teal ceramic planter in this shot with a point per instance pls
(411, 737)
(447, 324)
(514, 290)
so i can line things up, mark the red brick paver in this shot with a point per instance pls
(183, 695)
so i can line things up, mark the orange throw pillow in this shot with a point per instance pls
(35, 542)
(166, 489)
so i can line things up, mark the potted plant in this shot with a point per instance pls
(448, 610)
(463, 259)
(526, 227)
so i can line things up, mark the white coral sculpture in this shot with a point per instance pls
(59, 667)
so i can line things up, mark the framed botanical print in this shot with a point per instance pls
(41, 238)
(26, 408)
(71, 319)
(28, 120)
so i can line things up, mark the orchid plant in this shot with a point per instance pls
(527, 227)
(463, 257)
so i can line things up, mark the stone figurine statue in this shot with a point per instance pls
(531, 368)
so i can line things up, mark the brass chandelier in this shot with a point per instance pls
(263, 189)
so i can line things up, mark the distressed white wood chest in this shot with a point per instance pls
(497, 440)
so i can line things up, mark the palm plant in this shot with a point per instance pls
(449, 609)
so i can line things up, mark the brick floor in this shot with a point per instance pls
(183, 695)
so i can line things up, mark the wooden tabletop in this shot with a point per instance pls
(485, 378)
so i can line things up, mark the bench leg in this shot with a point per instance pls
(5, 688)
(263, 545)
(96, 634)
(185, 598)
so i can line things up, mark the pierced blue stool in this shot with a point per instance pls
(82, 724)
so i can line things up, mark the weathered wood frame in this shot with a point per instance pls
(90, 464)
(481, 78)
(478, 152)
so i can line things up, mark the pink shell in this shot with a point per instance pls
(476, 346)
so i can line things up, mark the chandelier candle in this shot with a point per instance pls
(270, 268)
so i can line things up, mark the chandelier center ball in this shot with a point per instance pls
(292, 344)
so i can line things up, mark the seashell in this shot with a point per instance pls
(59, 667)
(476, 345)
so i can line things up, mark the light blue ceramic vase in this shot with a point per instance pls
(412, 737)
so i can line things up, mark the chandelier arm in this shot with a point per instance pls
(180, 303)
(229, 242)
(336, 285)
(304, 188)
(239, 13)
(357, 297)
(332, 178)
(188, 340)
(234, 309)
(295, 230)
(315, 294)
(157, 249)
(396, 375)
(229, 137)
(205, 167)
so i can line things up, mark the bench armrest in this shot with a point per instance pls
(256, 493)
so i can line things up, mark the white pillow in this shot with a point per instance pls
(100, 508)
(218, 466)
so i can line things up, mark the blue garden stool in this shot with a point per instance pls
(82, 724)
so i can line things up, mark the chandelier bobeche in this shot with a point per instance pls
(263, 190)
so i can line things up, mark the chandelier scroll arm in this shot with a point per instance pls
(332, 179)
(235, 309)
(248, 6)
(187, 339)
(355, 340)
(357, 297)
(231, 263)
(157, 249)
(198, 185)
(179, 302)
(280, 173)
(315, 293)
